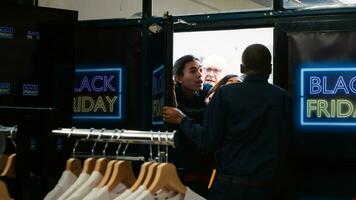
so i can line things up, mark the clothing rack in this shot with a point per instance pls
(119, 136)
(8, 131)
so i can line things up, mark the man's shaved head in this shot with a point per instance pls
(256, 59)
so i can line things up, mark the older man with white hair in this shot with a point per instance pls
(213, 69)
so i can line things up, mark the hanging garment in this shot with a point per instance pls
(122, 173)
(128, 194)
(189, 195)
(85, 189)
(161, 194)
(83, 177)
(137, 193)
(91, 194)
(104, 194)
(66, 180)
(124, 195)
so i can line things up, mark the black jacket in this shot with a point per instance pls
(248, 126)
(187, 156)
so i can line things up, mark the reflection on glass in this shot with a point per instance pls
(318, 4)
(193, 7)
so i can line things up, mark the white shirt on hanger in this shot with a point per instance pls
(83, 177)
(189, 195)
(85, 189)
(128, 194)
(91, 194)
(66, 180)
(104, 194)
(137, 193)
(124, 195)
(162, 194)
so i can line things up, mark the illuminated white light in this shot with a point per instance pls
(348, 1)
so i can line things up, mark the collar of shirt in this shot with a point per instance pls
(196, 102)
(256, 77)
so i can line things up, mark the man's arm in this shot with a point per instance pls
(190, 128)
(207, 137)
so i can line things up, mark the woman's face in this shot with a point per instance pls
(233, 80)
(192, 76)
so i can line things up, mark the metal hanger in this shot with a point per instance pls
(166, 147)
(96, 141)
(76, 143)
(119, 147)
(151, 153)
(12, 129)
(73, 164)
(159, 147)
(107, 143)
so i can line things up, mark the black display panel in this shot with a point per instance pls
(324, 68)
(315, 62)
(316, 65)
(108, 80)
(37, 56)
(37, 59)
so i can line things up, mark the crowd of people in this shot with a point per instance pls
(239, 126)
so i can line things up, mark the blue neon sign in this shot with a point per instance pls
(327, 95)
(5, 88)
(98, 93)
(157, 95)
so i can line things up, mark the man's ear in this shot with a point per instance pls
(242, 69)
(178, 78)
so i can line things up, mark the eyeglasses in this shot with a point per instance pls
(211, 70)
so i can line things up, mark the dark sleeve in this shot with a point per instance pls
(213, 122)
(194, 113)
(209, 136)
(192, 130)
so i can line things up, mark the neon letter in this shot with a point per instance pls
(315, 87)
(325, 85)
(322, 106)
(107, 83)
(99, 104)
(311, 105)
(85, 84)
(351, 84)
(99, 89)
(349, 108)
(76, 104)
(91, 104)
(341, 85)
(332, 108)
(111, 102)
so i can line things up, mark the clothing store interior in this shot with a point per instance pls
(134, 99)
